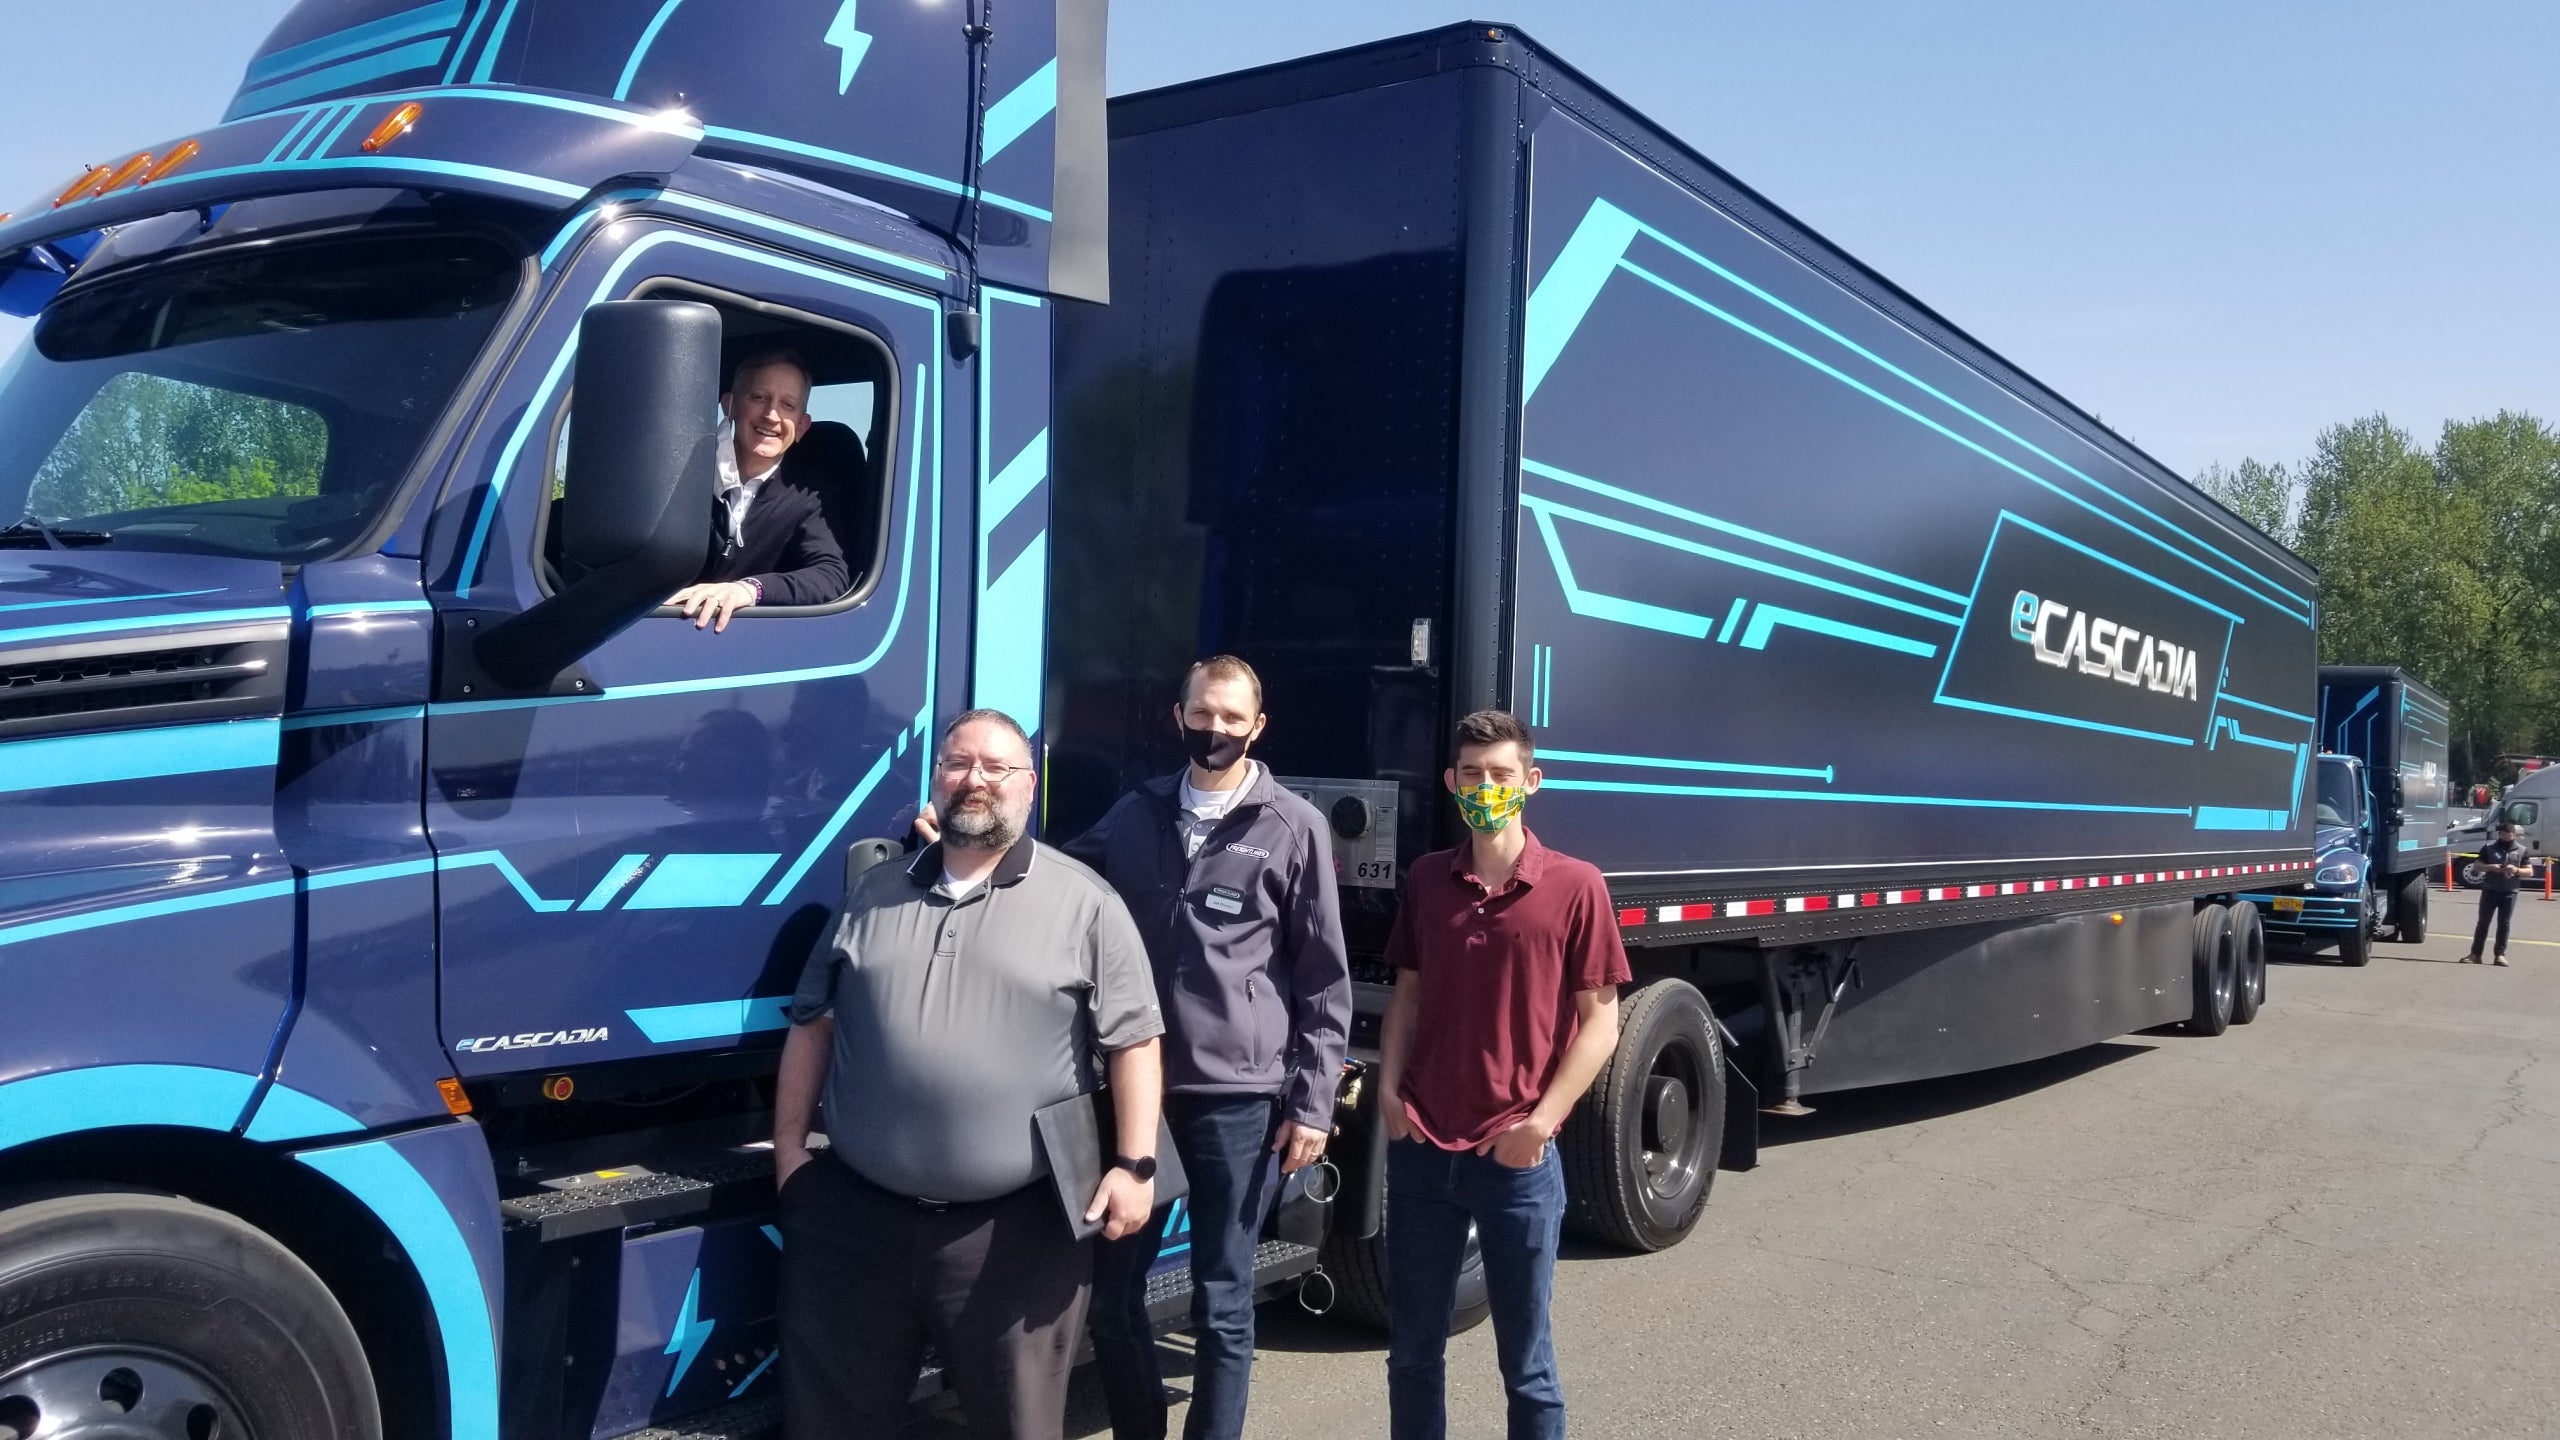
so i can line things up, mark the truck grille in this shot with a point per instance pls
(236, 671)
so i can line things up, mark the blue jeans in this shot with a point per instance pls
(1225, 1144)
(1431, 1195)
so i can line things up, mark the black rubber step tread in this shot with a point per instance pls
(589, 1208)
(1274, 1262)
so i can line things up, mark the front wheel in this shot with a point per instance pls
(2409, 908)
(2355, 948)
(1641, 1147)
(151, 1316)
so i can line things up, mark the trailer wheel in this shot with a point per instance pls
(2409, 908)
(146, 1315)
(2249, 943)
(1640, 1149)
(1358, 1269)
(2216, 968)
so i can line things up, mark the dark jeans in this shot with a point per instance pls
(1431, 1195)
(868, 1280)
(2503, 906)
(1225, 1144)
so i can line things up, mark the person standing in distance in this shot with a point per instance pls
(1231, 878)
(2503, 863)
(1505, 1009)
(958, 994)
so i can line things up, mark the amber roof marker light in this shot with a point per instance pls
(89, 177)
(394, 125)
(185, 151)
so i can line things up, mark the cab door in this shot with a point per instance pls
(642, 867)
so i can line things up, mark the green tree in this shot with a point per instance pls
(2263, 495)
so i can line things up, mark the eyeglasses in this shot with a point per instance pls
(957, 769)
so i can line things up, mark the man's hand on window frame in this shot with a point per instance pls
(712, 604)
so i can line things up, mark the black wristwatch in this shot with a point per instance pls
(1143, 1167)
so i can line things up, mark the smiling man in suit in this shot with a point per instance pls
(771, 543)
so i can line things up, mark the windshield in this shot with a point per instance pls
(2340, 802)
(262, 401)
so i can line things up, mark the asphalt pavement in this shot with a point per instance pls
(2337, 1221)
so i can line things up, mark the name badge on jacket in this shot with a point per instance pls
(1225, 899)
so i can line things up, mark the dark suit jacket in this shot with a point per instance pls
(790, 548)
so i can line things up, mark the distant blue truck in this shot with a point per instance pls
(2383, 784)
(398, 903)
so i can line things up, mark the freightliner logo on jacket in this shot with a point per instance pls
(2102, 647)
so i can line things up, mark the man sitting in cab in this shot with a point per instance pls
(771, 543)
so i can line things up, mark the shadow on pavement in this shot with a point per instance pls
(1852, 1112)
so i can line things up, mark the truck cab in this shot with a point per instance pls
(2527, 806)
(2338, 904)
(394, 889)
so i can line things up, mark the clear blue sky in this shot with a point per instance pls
(2219, 225)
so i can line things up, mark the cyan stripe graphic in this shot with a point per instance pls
(417, 56)
(2231, 699)
(701, 882)
(2293, 607)
(827, 833)
(500, 863)
(1767, 618)
(355, 39)
(497, 41)
(105, 600)
(1658, 762)
(712, 1019)
(65, 760)
(1611, 234)
(1610, 607)
(1022, 107)
(624, 871)
(876, 167)
(1724, 792)
(639, 51)
(1542, 506)
(196, 619)
(1776, 542)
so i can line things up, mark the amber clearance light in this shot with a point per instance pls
(88, 181)
(185, 151)
(394, 125)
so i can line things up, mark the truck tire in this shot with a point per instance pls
(127, 1314)
(2216, 969)
(2355, 948)
(1640, 1149)
(2409, 908)
(1358, 1270)
(2249, 942)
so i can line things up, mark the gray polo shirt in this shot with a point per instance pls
(956, 1019)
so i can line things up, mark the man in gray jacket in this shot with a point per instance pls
(1230, 878)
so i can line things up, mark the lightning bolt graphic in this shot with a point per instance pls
(691, 1333)
(852, 42)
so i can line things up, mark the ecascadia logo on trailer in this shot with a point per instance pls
(532, 1040)
(2107, 649)
(2092, 634)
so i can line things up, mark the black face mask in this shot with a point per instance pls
(1213, 749)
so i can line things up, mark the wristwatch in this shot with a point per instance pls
(1144, 1167)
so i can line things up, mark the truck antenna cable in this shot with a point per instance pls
(981, 33)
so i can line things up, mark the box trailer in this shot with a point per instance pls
(2380, 801)
(1920, 722)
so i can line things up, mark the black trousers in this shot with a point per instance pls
(2502, 904)
(869, 1280)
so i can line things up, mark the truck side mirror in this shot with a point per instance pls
(635, 512)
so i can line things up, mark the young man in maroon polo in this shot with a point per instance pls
(1505, 1009)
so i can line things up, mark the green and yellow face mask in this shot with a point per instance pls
(1488, 807)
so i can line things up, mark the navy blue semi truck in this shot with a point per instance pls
(398, 902)
(2383, 782)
